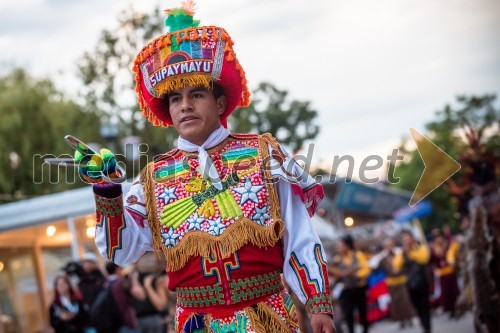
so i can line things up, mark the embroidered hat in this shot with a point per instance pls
(188, 55)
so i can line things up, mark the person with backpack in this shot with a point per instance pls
(91, 279)
(112, 311)
(151, 310)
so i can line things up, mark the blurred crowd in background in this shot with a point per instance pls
(400, 277)
(114, 299)
(397, 277)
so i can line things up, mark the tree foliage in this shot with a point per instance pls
(472, 118)
(34, 118)
(109, 86)
(291, 122)
(109, 89)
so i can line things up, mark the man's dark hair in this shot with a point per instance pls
(111, 267)
(217, 90)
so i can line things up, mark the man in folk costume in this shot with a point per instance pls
(230, 212)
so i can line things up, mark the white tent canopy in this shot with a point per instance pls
(325, 230)
(50, 207)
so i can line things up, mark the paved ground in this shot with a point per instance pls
(440, 324)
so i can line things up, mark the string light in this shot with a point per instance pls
(90, 232)
(50, 231)
(90, 221)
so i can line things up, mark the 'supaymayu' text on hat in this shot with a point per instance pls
(188, 55)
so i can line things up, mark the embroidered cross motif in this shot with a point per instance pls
(212, 266)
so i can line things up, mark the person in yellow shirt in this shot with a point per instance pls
(413, 260)
(351, 269)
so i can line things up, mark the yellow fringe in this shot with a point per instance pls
(207, 320)
(266, 320)
(274, 202)
(269, 139)
(148, 184)
(198, 243)
(181, 81)
(255, 321)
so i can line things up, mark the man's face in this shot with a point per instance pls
(195, 112)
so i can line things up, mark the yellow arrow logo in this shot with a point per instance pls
(439, 166)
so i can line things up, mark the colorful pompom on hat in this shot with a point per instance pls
(188, 55)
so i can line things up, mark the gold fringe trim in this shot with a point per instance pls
(180, 81)
(193, 35)
(198, 243)
(207, 320)
(269, 139)
(266, 320)
(148, 184)
(255, 322)
(274, 202)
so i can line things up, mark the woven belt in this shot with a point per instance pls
(239, 290)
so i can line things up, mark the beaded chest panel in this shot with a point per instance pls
(189, 206)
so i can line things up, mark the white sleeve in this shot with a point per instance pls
(305, 267)
(122, 233)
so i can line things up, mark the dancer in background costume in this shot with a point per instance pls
(230, 212)
(444, 253)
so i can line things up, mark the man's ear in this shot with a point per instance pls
(221, 104)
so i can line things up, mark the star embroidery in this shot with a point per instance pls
(248, 191)
(216, 227)
(261, 215)
(168, 194)
(195, 222)
(170, 238)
